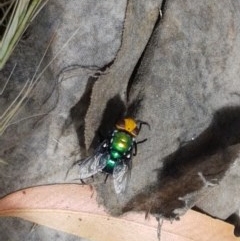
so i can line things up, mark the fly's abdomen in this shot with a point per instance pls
(110, 166)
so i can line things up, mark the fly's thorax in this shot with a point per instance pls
(120, 144)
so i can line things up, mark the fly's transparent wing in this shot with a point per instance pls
(93, 164)
(121, 175)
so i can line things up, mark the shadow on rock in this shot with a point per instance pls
(78, 113)
(196, 164)
(115, 110)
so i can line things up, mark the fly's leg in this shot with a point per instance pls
(106, 178)
(81, 180)
(135, 146)
(140, 142)
(141, 123)
(84, 183)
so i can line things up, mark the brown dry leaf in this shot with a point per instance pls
(73, 209)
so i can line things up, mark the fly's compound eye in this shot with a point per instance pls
(120, 125)
(135, 131)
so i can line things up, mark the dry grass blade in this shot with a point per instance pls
(73, 209)
(2, 162)
(15, 17)
(21, 98)
(10, 112)
(5, 85)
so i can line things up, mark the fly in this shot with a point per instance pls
(114, 155)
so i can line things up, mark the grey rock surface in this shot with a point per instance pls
(187, 86)
(40, 150)
(223, 199)
(183, 81)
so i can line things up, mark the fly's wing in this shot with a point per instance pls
(93, 164)
(121, 175)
